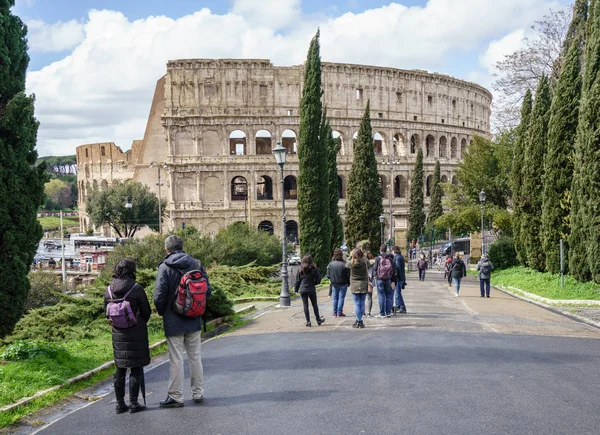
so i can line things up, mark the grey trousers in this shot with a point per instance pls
(191, 343)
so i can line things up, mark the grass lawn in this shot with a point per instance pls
(52, 222)
(546, 284)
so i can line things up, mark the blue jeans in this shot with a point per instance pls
(456, 282)
(359, 305)
(484, 284)
(385, 296)
(338, 292)
(421, 274)
(398, 296)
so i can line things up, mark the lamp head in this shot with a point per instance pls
(381, 219)
(280, 154)
(482, 196)
(128, 204)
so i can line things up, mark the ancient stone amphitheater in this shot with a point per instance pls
(214, 122)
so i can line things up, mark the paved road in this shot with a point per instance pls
(464, 365)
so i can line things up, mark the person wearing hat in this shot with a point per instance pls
(484, 267)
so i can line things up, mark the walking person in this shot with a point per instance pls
(371, 286)
(339, 277)
(359, 284)
(383, 270)
(485, 267)
(457, 271)
(447, 266)
(182, 333)
(306, 284)
(130, 343)
(422, 267)
(399, 265)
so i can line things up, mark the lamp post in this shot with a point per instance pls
(482, 202)
(391, 163)
(381, 220)
(158, 166)
(284, 298)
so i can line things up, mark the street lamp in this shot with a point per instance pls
(158, 166)
(284, 298)
(128, 204)
(482, 202)
(381, 220)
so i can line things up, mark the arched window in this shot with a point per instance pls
(263, 142)
(398, 145)
(443, 179)
(378, 143)
(340, 187)
(266, 226)
(443, 145)
(291, 231)
(400, 186)
(290, 187)
(453, 148)
(430, 146)
(264, 188)
(338, 135)
(463, 148)
(104, 185)
(237, 143)
(383, 186)
(415, 142)
(454, 180)
(239, 189)
(429, 185)
(289, 142)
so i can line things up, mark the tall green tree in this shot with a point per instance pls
(533, 174)
(364, 204)
(333, 146)
(315, 230)
(416, 219)
(435, 205)
(562, 133)
(516, 176)
(21, 182)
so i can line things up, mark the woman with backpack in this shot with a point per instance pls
(306, 284)
(422, 267)
(129, 335)
(359, 284)
(457, 271)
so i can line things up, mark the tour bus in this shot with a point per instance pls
(94, 242)
(462, 245)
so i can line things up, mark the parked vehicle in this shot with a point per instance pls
(294, 259)
(457, 245)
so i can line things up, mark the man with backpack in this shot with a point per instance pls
(180, 296)
(384, 273)
(485, 267)
(400, 270)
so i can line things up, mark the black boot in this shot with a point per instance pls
(120, 395)
(134, 391)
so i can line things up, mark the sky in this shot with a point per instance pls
(94, 63)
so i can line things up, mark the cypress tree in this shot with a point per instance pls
(313, 217)
(562, 132)
(364, 204)
(435, 206)
(516, 180)
(416, 219)
(533, 173)
(21, 183)
(333, 146)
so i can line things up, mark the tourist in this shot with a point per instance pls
(306, 284)
(183, 333)
(447, 266)
(457, 271)
(383, 271)
(359, 284)
(399, 265)
(369, 299)
(422, 267)
(339, 277)
(130, 345)
(485, 267)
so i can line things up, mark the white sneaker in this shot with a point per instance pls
(456, 294)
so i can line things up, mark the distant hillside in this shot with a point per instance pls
(59, 165)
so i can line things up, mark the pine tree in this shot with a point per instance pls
(364, 204)
(21, 183)
(315, 232)
(333, 146)
(435, 205)
(416, 219)
(533, 173)
(516, 180)
(562, 132)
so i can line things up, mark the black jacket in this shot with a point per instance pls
(338, 273)
(400, 268)
(307, 283)
(170, 272)
(376, 265)
(458, 269)
(130, 345)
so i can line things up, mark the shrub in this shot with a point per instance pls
(45, 290)
(238, 244)
(22, 350)
(218, 305)
(502, 253)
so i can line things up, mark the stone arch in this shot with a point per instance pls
(95, 185)
(337, 135)
(428, 185)
(453, 148)
(211, 143)
(115, 183)
(183, 143)
(454, 180)
(186, 187)
(378, 143)
(264, 188)
(289, 141)
(398, 145)
(212, 228)
(415, 143)
(264, 142)
(237, 143)
(291, 231)
(239, 188)
(266, 226)
(382, 182)
(400, 186)
(340, 186)
(463, 148)
(290, 187)
(443, 147)
(429, 146)
(104, 185)
(213, 189)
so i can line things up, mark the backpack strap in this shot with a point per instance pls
(110, 295)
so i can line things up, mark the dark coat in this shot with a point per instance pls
(400, 266)
(422, 264)
(338, 273)
(458, 269)
(130, 345)
(170, 271)
(306, 283)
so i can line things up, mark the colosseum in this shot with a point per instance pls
(214, 122)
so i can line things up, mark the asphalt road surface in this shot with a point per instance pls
(466, 365)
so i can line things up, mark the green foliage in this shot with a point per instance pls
(337, 227)
(532, 175)
(364, 204)
(313, 213)
(435, 205)
(108, 207)
(416, 219)
(246, 281)
(21, 183)
(516, 176)
(502, 253)
(28, 349)
(239, 244)
(58, 195)
(45, 290)
(562, 132)
(219, 305)
(60, 166)
(53, 222)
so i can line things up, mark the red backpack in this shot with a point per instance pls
(190, 300)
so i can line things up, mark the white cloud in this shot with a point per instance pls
(54, 37)
(103, 89)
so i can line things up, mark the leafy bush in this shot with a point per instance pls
(502, 253)
(238, 244)
(22, 350)
(45, 290)
(218, 305)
